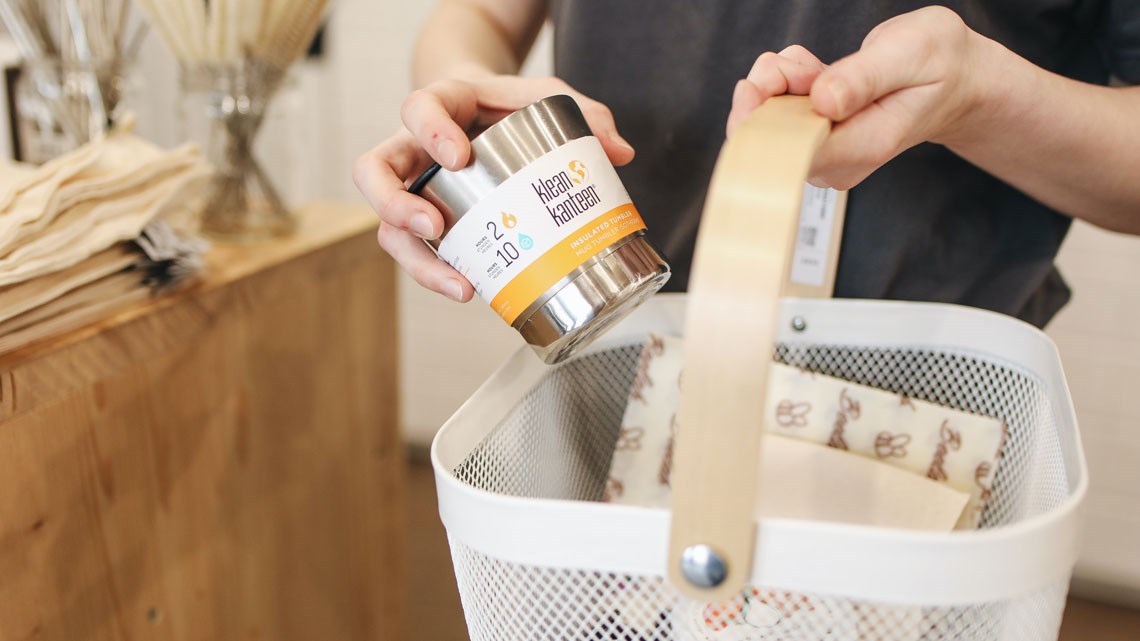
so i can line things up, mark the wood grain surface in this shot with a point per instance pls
(739, 268)
(222, 463)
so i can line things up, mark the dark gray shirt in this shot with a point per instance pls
(927, 225)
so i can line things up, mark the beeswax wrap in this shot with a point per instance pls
(952, 449)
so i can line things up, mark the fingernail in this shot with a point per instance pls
(454, 290)
(738, 92)
(448, 153)
(421, 226)
(746, 96)
(839, 92)
(620, 142)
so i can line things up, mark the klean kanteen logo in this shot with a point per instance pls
(579, 173)
(567, 194)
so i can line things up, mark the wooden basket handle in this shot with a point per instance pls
(742, 257)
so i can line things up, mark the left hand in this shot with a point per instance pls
(917, 77)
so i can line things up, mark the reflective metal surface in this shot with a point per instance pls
(608, 289)
(596, 294)
(499, 152)
(702, 566)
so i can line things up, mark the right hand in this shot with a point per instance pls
(435, 118)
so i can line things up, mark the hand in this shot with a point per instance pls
(435, 118)
(916, 78)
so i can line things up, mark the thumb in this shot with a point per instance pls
(893, 56)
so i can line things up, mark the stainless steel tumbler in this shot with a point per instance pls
(541, 225)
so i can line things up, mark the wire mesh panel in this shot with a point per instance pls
(559, 441)
(512, 602)
(557, 444)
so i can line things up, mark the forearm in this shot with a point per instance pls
(1071, 145)
(468, 39)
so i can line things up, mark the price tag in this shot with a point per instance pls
(817, 242)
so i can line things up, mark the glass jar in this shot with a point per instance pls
(61, 105)
(227, 109)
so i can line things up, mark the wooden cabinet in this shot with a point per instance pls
(219, 463)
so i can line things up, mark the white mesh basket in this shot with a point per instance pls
(520, 471)
(522, 466)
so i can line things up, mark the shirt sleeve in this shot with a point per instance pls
(1122, 39)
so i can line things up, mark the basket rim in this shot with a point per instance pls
(863, 562)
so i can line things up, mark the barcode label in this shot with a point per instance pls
(808, 235)
(817, 219)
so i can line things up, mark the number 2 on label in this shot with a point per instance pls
(494, 229)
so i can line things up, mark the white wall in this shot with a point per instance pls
(448, 349)
(1099, 338)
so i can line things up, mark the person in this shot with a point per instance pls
(969, 134)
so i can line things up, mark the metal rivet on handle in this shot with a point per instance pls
(799, 324)
(702, 566)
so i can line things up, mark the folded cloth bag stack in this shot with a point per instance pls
(94, 230)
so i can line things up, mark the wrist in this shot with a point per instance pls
(466, 71)
(471, 71)
(999, 91)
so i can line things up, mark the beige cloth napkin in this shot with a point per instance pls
(94, 227)
(35, 195)
(82, 306)
(804, 480)
(21, 179)
(57, 215)
(22, 297)
(105, 183)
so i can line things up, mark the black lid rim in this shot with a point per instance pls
(422, 180)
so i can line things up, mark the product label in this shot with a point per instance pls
(539, 225)
(817, 218)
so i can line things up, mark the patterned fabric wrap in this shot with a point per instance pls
(952, 447)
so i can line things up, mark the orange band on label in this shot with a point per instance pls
(589, 241)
